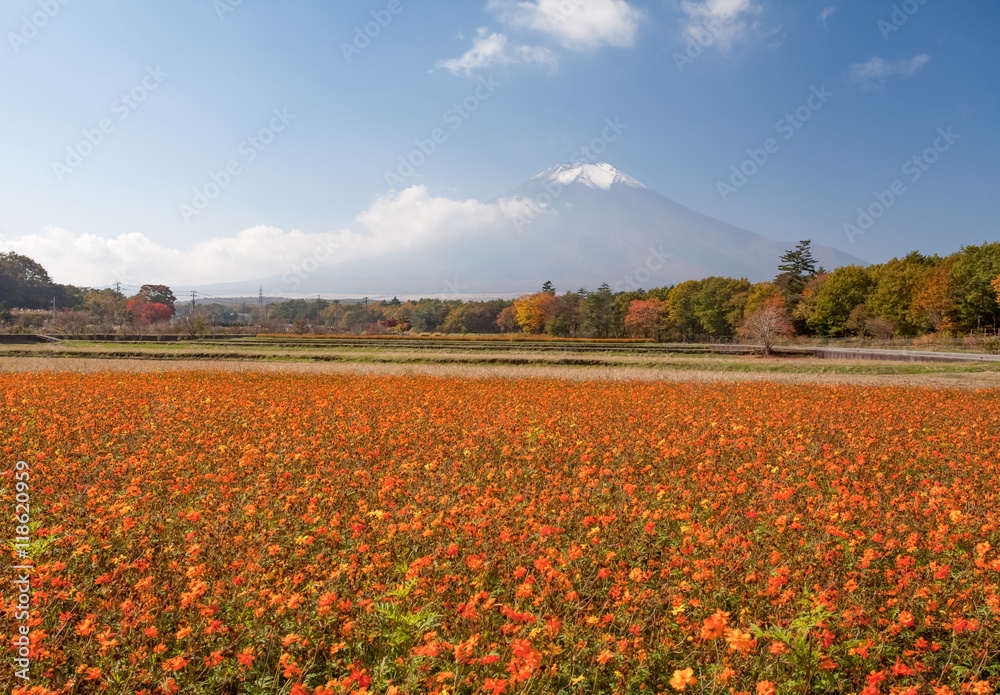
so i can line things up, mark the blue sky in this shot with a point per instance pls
(335, 93)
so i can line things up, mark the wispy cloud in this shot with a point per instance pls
(874, 72)
(578, 25)
(496, 49)
(825, 14)
(728, 21)
(581, 25)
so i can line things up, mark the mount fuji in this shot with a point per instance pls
(577, 225)
(594, 221)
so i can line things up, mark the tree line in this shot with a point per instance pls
(906, 297)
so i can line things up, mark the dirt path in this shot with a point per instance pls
(971, 380)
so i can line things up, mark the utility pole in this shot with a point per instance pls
(192, 302)
(118, 288)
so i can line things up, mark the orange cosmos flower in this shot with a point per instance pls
(604, 657)
(213, 660)
(682, 679)
(739, 640)
(495, 686)
(246, 657)
(175, 664)
(86, 625)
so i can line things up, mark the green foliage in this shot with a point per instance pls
(24, 283)
(473, 317)
(429, 315)
(37, 546)
(719, 305)
(557, 327)
(683, 319)
(894, 292)
(158, 294)
(299, 309)
(835, 299)
(599, 311)
(972, 276)
(802, 673)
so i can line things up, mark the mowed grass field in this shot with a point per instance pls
(253, 532)
(482, 357)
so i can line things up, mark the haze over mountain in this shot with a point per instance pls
(577, 225)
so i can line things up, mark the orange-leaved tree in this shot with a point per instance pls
(533, 311)
(645, 317)
(507, 320)
(936, 299)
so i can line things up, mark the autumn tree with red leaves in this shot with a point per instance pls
(766, 324)
(645, 317)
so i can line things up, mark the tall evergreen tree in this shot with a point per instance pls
(599, 310)
(798, 267)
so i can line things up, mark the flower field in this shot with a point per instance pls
(232, 533)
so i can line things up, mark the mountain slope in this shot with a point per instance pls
(606, 224)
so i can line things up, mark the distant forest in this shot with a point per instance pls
(906, 297)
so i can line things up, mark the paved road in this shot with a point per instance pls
(868, 354)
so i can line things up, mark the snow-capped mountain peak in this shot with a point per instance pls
(601, 175)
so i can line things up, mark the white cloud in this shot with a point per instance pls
(727, 21)
(412, 217)
(825, 14)
(495, 49)
(575, 24)
(402, 220)
(876, 71)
